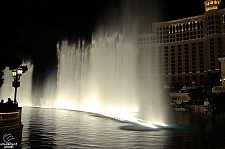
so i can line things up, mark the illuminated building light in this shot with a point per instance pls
(212, 5)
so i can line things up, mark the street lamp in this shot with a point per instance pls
(17, 73)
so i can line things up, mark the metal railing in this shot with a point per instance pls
(10, 118)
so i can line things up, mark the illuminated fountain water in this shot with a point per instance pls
(103, 77)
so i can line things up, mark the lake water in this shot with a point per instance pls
(54, 128)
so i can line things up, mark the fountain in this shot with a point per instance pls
(103, 77)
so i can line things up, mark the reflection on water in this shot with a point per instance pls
(41, 128)
(54, 128)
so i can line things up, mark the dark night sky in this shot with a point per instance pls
(82, 14)
(75, 16)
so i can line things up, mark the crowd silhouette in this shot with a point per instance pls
(9, 105)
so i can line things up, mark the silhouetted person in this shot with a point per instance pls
(9, 101)
(2, 101)
(9, 104)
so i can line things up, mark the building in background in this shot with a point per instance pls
(184, 50)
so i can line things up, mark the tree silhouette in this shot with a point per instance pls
(11, 62)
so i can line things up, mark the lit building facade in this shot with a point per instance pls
(184, 50)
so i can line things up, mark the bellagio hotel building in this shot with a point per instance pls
(184, 50)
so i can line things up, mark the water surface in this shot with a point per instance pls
(55, 128)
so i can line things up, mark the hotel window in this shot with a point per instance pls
(194, 78)
(219, 41)
(201, 58)
(191, 26)
(194, 69)
(170, 29)
(212, 55)
(179, 47)
(211, 40)
(212, 60)
(186, 78)
(166, 53)
(173, 78)
(193, 52)
(202, 25)
(166, 70)
(180, 28)
(186, 27)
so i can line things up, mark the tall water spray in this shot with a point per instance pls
(103, 77)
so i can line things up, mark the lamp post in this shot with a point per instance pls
(16, 73)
